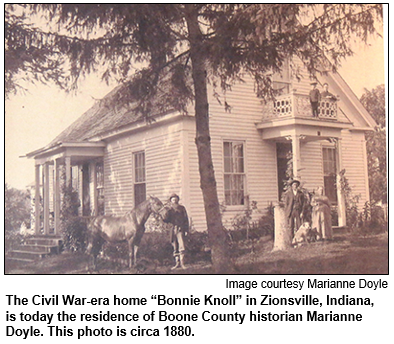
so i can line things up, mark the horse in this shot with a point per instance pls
(113, 229)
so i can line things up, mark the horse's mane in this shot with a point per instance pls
(137, 209)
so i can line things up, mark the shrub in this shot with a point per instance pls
(17, 208)
(370, 220)
(197, 247)
(334, 216)
(267, 222)
(74, 231)
(156, 246)
(12, 239)
(16, 212)
(245, 228)
(73, 228)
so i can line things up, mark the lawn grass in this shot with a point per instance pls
(346, 254)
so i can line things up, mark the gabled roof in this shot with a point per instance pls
(99, 119)
(103, 118)
(367, 121)
(354, 100)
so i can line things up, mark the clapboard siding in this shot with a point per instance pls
(312, 165)
(260, 156)
(163, 160)
(172, 160)
(301, 80)
(355, 163)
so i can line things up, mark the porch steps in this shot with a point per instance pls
(37, 247)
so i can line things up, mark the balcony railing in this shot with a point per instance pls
(296, 105)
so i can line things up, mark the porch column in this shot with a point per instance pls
(295, 143)
(93, 185)
(56, 198)
(67, 162)
(46, 197)
(37, 203)
(340, 195)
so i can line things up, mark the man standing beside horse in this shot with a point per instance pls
(177, 216)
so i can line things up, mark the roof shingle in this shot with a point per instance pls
(100, 118)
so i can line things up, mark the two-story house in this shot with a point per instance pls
(115, 159)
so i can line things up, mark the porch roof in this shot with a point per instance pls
(76, 150)
(310, 127)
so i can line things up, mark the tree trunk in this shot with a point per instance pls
(217, 237)
(283, 234)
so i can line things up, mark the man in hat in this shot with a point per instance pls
(177, 216)
(294, 205)
(314, 98)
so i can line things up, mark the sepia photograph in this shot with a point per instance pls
(195, 139)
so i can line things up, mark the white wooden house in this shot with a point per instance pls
(116, 159)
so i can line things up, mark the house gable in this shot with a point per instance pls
(350, 106)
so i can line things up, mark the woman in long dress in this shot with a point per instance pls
(321, 215)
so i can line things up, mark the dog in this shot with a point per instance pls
(305, 234)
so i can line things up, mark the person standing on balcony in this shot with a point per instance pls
(314, 97)
(327, 94)
(328, 99)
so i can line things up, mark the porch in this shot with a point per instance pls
(288, 122)
(63, 165)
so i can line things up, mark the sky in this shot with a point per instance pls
(34, 119)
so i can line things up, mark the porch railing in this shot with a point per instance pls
(297, 105)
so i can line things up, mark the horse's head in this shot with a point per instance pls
(155, 204)
(164, 211)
